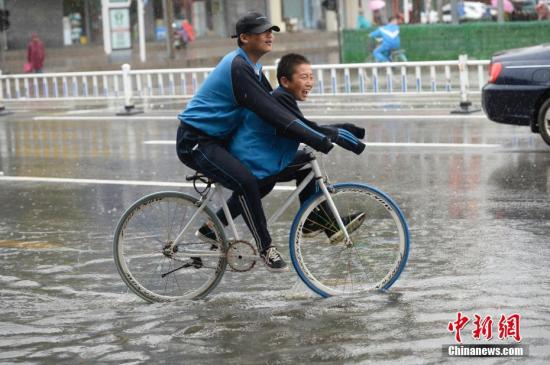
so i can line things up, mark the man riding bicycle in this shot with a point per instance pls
(236, 85)
(389, 34)
(237, 91)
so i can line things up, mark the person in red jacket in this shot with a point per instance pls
(36, 53)
(188, 28)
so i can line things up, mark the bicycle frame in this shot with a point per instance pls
(217, 192)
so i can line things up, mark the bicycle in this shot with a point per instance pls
(396, 54)
(160, 258)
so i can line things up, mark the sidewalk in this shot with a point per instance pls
(319, 47)
(316, 105)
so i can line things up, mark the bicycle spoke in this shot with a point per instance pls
(370, 261)
(143, 245)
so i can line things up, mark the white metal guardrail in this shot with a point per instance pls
(339, 79)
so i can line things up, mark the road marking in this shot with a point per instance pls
(113, 182)
(104, 118)
(159, 142)
(32, 245)
(313, 117)
(90, 111)
(391, 117)
(381, 144)
(415, 144)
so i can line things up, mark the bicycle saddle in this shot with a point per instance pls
(199, 177)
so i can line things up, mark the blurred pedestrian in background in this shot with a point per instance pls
(36, 54)
(390, 40)
(362, 22)
(508, 8)
(542, 10)
(376, 6)
(184, 34)
(188, 28)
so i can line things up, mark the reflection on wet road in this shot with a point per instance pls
(479, 219)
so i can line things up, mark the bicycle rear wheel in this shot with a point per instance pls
(141, 241)
(379, 249)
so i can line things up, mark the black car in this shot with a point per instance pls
(518, 91)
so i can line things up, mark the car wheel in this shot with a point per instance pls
(544, 121)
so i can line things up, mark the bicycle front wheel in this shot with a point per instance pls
(149, 263)
(376, 255)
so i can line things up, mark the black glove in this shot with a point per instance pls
(347, 140)
(301, 132)
(325, 146)
(352, 128)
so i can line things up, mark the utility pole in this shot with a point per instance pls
(454, 12)
(4, 25)
(87, 17)
(335, 5)
(339, 15)
(141, 30)
(168, 6)
(3, 39)
(417, 6)
(500, 14)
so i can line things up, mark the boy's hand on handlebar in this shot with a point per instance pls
(325, 146)
(352, 128)
(347, 140)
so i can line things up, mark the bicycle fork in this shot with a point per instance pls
(321, 182)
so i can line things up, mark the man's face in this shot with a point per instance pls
(258, 43)
(301, 82)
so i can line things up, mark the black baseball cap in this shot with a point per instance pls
(253, 23)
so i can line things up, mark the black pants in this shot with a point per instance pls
(210, 157)
(293, 171)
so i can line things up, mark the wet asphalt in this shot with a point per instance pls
(475, 193)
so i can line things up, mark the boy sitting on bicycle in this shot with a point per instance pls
(273, 158)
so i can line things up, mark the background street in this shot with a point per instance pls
(475, 194)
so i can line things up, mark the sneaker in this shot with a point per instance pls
(315, 223)
(273, 260)
(206, 234)
(352, 222)
(311, 229)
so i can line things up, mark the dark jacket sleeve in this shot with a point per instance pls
(251, 94)
(345, 135)
(289, 102)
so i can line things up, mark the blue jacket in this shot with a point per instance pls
(389, 34)
(234, 88)
(258, 146)
(266, 151)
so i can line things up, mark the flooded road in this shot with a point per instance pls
(476, 195)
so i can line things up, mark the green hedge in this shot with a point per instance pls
(428, 42)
